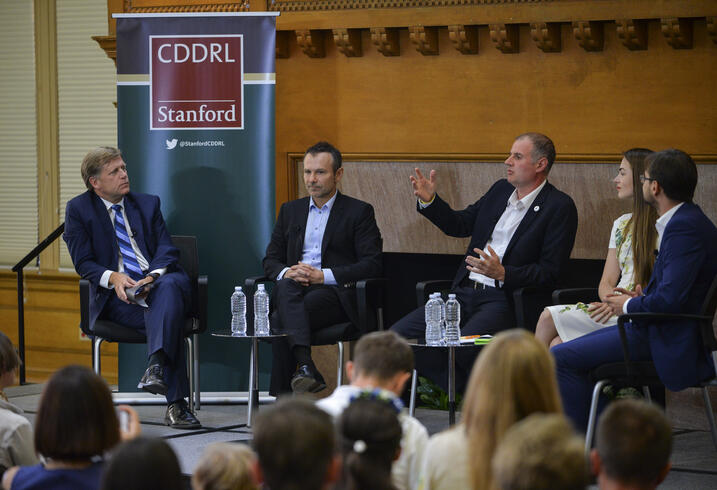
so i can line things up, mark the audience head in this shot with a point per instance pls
(370, 440)
(383, 358)
(9, 362)
(94, 161)
(76, 419)
(513, 377)
(642, 222)
(325, 147)
(225, 466)
(633, 445)
(541, 452)
(543, 147)
(143, 464)
(675, 172)
(294, 441)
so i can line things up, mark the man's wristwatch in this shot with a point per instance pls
(153, 275)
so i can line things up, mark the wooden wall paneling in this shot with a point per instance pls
(52, 335)
(282, 43)
(464, 38)
(712, 27)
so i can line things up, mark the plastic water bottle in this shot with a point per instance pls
(238, 302)
(261, 311)
(443, 315)
(433, 321)
(453, 321)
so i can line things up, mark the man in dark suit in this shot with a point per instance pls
(684, 269)
(117, 240)
(321, 245)
(522, 232)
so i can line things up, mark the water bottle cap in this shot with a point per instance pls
(260, 287)
(451, 296)
(237, 288)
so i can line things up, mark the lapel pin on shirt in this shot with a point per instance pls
(536, 208)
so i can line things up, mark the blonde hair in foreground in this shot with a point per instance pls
(225, 466)
(513, 377)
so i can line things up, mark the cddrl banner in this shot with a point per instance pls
(195, 105)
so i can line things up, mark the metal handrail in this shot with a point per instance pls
(18, 268)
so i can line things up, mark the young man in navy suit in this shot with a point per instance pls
(321, 245)
(117, 240)
(522, 232)
(684, 270)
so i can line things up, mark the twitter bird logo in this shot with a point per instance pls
(171, 143)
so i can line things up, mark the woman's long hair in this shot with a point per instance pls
(370, 436)
(513, 378)
(642, 223)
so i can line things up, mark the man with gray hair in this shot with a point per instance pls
(118, 242)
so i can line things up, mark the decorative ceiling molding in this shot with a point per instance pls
(348, 42)
(632, 33)
(282, 44)
(425, 39)
(312, 42)
(157, 6)
(677, 32)
(712, 28)
(386, 40)
(464, 38)
(590, 35)
(546, 36)
(505, 37)
(311, 5)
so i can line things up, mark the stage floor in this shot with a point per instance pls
(694, 458)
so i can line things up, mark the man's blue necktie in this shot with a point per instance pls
(129, 258)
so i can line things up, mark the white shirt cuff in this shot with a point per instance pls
(105, 279)
(624, 305)
(281, 274)
(158, 271)
(329, 277)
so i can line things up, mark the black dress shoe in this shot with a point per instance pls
(307, 379)
(180, 417)
(153, 380)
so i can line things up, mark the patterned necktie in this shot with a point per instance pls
(129, 259)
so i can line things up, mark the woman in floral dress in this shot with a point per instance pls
(629, 261)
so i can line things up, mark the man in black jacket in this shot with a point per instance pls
(522, 232)
(321, 245)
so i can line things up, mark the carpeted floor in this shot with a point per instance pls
(694, 457)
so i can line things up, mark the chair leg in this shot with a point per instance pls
(710, 415)
(96, 350)
(190, 371)
(195, 367)
(593, 414)
(340, 372)
(412, 403)
(646, 392)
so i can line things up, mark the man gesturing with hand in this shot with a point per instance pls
(522, 232)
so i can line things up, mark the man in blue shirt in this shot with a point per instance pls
(321, 245)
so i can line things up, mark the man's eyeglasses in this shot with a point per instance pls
(643, 179)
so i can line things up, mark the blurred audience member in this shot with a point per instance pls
(370, 441)
(541, 452)
(225, 466)
(76, 424)
(294, 441)
(384, 360)
(513, 378)
(143, 464)
(634, 442)
(15, 430)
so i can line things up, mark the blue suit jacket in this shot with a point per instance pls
(540, 246)
(90, 237)
(682, 275)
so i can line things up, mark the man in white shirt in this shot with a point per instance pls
(522, 232)
(384, 361)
